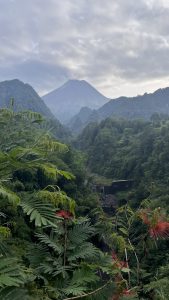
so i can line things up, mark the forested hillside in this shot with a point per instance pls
(56, 241)
(119, 148)
(138, 107)
(22, 97)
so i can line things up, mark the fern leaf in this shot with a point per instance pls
(84, 251)
(40, 252)
(10, 274)
(74, 290)
(84, 275)
(40, 213)
(80, 233)
(54, 268)
(51, 242)
(66, 174)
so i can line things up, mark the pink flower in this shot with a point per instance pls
(157, 226)
(64, 214)
(159, 230)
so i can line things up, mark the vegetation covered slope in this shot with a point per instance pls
(142, 107)
(25, 97)
(128, 149)
(56, 243)
(137, 150)
(22, 97)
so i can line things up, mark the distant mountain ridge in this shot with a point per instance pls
(143, 107)
(66, 101)
(25, 97)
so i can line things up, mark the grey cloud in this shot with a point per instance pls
(109, 44)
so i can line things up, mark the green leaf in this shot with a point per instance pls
(66, 174)
(50, 241)
(125, 270)
(85, 251)
(40, 213)
(9, 196)
(74, 290)
(10, 274)
(81, 232)
(84, 275)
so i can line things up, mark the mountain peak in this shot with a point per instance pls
(16, 83)
(67, 100)
(25, 97)
(75, 81)
(72, 83)
(12, 81)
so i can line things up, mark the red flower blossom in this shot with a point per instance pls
(159, 230)
(64, 214)
(158, 227)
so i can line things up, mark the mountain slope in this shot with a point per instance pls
(128, 108)
(66, 101)
(78, 121)
(25, 97)
(137, 107)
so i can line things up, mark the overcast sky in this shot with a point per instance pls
(119, 46)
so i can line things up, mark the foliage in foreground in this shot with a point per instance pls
(50, 249)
